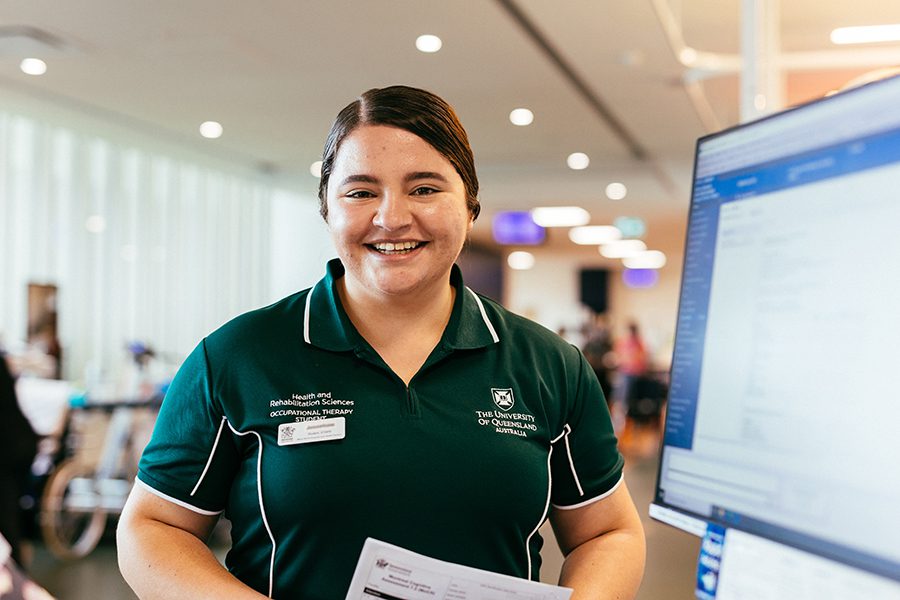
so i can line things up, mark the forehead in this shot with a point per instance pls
(386, 146)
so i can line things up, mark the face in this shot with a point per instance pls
(397, 213)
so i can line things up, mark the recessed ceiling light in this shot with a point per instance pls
(521, 117)
(578, 161)
(428, 43)
(560, 216)
(33, 66)
(622, 248)
(594, 235)
(315, 169)
(649, 259)
(211, 129)
(520, 260)
(616, 191)
(868, 34)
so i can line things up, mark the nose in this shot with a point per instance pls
(394, 212)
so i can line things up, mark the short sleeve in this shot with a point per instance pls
(191, 458)
(585, 462)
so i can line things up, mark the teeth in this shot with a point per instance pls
(395, 246)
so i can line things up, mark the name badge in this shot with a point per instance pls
(305, 432)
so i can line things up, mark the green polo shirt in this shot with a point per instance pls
(503, 420)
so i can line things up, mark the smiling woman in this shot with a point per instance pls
(454, 428)
(398, 217)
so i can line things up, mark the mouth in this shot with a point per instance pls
(395, 248)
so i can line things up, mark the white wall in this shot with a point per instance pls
(189, 241)
(549, 294)
(300, 244)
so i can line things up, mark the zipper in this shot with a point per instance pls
(412, 409)
(412, 404)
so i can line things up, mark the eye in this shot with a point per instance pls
(424, 190)
(359, 194)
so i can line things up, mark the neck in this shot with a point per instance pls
(403, 330)
(378, 316)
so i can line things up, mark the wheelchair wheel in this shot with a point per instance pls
(72, 519)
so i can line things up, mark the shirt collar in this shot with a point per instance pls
(326, 324)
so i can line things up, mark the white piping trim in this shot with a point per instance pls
(190, 507)
(262, 509)
(594, 499)
(556, 439)
(306, 318)
(567, 431)
(544, 516)
(211, 454)
(484, 315)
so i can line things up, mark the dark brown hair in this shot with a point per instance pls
(417, 111)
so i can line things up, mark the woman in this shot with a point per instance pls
(389, 401)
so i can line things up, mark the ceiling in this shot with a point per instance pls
(600, 76)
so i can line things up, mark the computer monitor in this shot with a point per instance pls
(784, 401)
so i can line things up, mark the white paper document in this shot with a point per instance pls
(391, 573)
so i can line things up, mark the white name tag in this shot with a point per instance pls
(304, 432)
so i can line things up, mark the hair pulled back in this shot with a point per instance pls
(415, 110)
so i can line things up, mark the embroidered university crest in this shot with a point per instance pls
(503, 398)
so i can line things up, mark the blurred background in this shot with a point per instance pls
(158, 176)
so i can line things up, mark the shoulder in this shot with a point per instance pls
(523, 335)
(262, 326)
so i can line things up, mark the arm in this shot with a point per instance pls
(162, 553)
(603, 543)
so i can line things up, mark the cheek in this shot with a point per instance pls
(337, 226)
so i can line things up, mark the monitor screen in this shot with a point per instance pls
(783, 413)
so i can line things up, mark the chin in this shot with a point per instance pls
(395, 286)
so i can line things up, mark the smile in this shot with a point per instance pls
(396, 247)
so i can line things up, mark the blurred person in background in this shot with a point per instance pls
(393, 342)
(598, 350)
(631, 365)
(19, 446)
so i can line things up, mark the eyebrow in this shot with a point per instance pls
(359, 179)
(414, 176)
(424, 175)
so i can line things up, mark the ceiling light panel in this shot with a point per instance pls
(622, 248)
(211, 129)
(520, 260)
(594, 235)
(649, 259)
(33, 66)
(616, 191)
(560, 216)
(428, 43)
(521, 117)
(578, 161)
(868, 34)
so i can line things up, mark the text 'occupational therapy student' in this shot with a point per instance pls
(456, 427)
